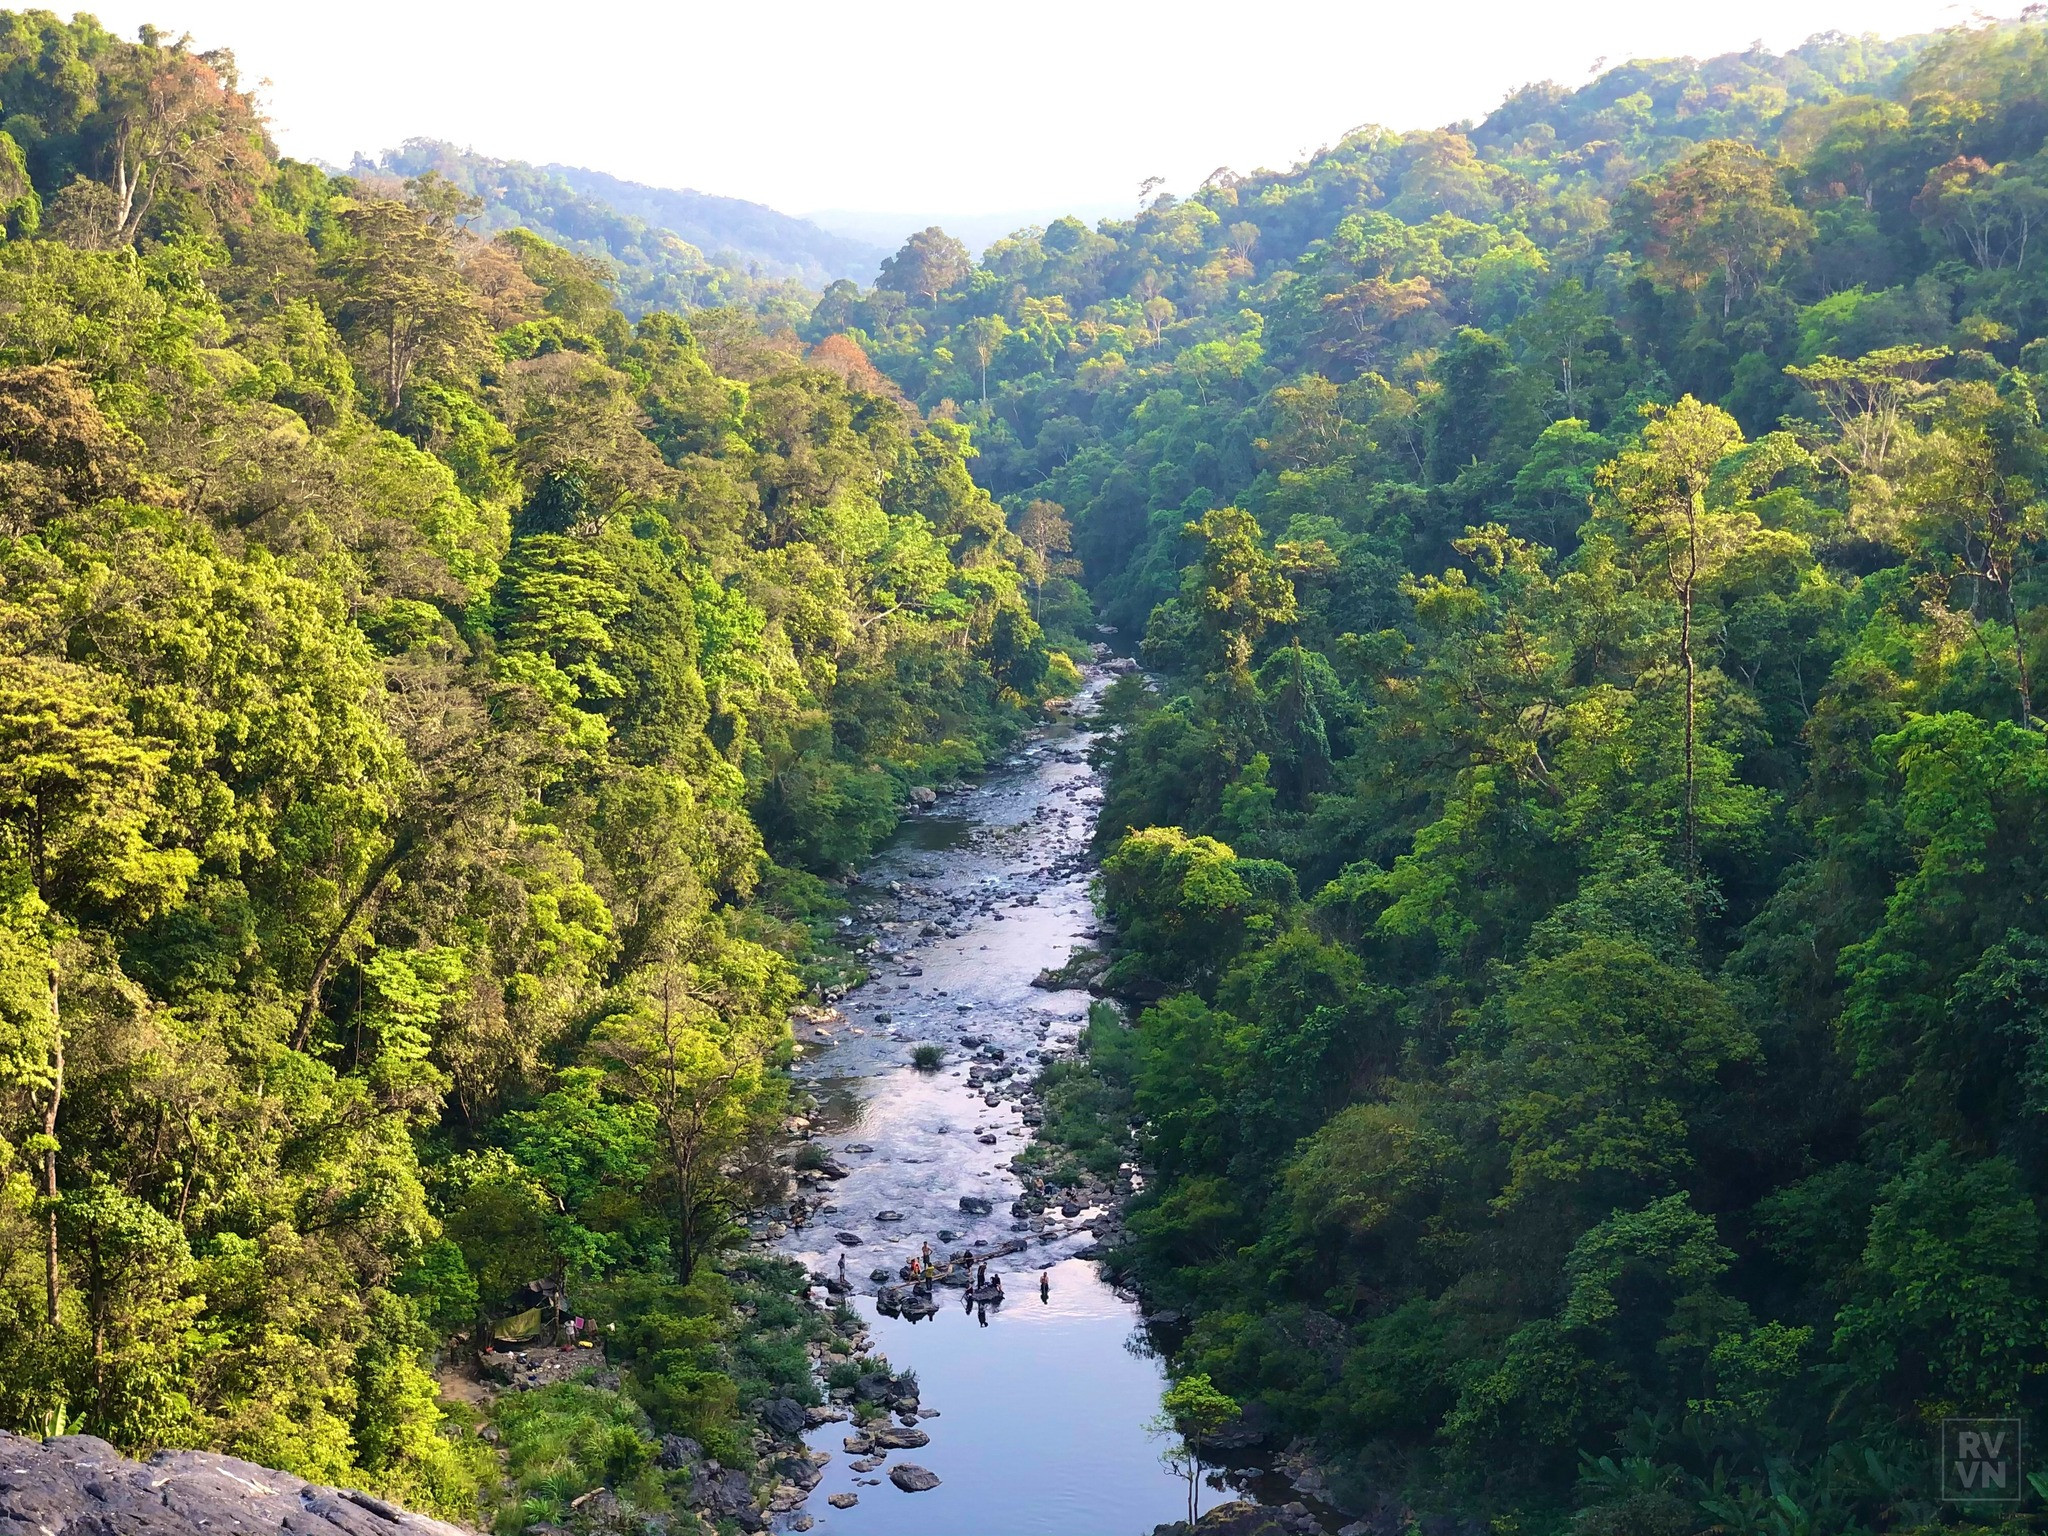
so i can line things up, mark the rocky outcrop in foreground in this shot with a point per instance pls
(78, 1485)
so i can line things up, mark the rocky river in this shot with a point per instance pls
(1041, 1398)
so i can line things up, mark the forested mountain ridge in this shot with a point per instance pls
(1582, 861)
(673, 249)
(779, 241)
(425, 697)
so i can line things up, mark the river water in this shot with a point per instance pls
(1042, 1403)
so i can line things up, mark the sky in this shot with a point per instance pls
(972, 109)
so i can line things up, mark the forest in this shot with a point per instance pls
(1573, 858)
(433, 710)
(1579, 865)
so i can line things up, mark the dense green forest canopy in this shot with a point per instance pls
(1584, 853)
(428, 702)
(1580, 858)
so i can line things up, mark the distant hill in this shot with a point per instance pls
(780, 245)
(674, 250)
(977, 231)
(657, 268)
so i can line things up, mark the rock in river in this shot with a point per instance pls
(851, 1239)
(843, 1500)
(891, 1439)
(912, 1478)
(977, 1205)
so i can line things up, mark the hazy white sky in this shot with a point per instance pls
(960, 108)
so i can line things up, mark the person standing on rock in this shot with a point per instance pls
(1045, 1285)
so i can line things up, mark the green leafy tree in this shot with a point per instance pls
(401, 297)
(1192, 1410)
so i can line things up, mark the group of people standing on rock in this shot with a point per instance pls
(923, 1271)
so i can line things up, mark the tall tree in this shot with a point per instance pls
(930, 264)
(1723, 213)
(401, 295)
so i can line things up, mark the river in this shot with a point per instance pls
(1042, 1404)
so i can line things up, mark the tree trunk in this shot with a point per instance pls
(2019, 654)
(309, 1010)
(1692, 861)
(50, 1272)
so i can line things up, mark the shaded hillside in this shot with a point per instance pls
(735, 232)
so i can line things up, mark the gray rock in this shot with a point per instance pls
(1237, 1517)
(912, 1478)
(726, 1495)
(889, 1438)
(843, 1500)
(977, 1205)
(785, 1416)
(79, 1485)
(677, 1452)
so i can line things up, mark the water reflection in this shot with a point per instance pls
(1042, 1400)
(1041, 1422)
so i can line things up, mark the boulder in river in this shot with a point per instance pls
(843, 1500)
(889, 1438)
(874, 1387)
(898, 1215)
(977, 1205)
(851, 1239)
(912, 1478)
